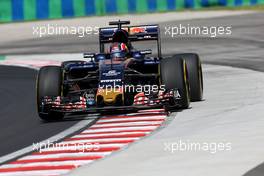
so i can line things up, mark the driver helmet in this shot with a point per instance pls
(119, 50)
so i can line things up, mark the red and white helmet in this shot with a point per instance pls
(119, 50)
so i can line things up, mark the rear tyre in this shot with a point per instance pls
(174, 75)
(49, 83)
(195, 74)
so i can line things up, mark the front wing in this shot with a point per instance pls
(79, 105)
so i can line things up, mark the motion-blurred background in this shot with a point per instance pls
(24, 10)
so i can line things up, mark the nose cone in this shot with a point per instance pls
(110, 96)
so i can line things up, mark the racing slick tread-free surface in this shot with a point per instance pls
(49, 84)
(174, 76)
(194, 73)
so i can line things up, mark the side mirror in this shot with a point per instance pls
(145, 52)
(88, 55)
(100, 56)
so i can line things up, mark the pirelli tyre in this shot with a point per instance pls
(195, 74)
(174, 76)
(49, 83)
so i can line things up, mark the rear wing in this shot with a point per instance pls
(135, 33)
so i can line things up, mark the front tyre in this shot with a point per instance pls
(49, 83)
(195, 74)
(174, 76)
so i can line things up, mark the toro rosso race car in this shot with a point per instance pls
(120, 77)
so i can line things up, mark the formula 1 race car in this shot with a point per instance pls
(120, 79)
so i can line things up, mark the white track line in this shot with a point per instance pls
(93, 147)
(59, 163)
(93, 141)
(120, 128)
(127, 124)
(62, 155)
(108, 134)
(132, 118)
(37, 173)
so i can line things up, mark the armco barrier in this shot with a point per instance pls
(23, 10)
